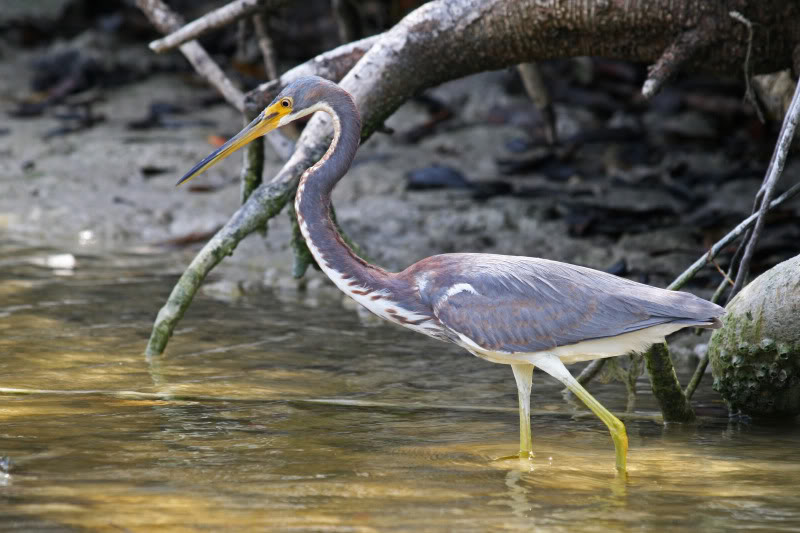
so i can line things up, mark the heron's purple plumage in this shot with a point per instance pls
(523, 304)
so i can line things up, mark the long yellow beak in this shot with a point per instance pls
(263, 124)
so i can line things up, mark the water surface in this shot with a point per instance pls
(286, 411)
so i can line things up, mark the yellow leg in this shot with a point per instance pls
(523, 374)
(553, 366)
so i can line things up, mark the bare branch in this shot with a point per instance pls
(538, 93)
(732, 235)
(697, 377)
(673, 59)
(767, 188)
(211, 21)
(748, 93)
(666, 387)
(165, 20)
(265, 44)
(331, 65)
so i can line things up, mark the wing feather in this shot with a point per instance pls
(521, 304)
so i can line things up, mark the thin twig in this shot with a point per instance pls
(732, 235)
(722, 272)
(696, 377)
(681, 50)
(737, 255)
(264, 203)
(540, 96)
(331, 65)
(767, 188)
(748, 93)
(165, 20)
(211, 21)
(265, 44)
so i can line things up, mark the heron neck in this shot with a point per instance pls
(313, 200)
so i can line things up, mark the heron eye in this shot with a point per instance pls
(285, 103)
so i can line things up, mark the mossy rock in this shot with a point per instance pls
(755, 356)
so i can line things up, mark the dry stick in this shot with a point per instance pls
(674, 402)
(538, 93)
(265, 44)
(749, 242)
(737, 255)
(212, 21)
(331, 65)
(165, 20)
(767, 188)
(748, 93)
(685, 45)
(732, 235)
(696, 377)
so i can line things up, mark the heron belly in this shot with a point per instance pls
(635, 341)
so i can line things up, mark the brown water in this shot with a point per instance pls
(286, 412)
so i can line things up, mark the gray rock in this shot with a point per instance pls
(755, 356)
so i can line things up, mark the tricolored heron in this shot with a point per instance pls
(520, 311)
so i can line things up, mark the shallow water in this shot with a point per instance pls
(285, 411)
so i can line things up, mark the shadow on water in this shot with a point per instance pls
(281, 412)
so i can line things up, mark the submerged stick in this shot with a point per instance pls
(264, 203)
(675, 407)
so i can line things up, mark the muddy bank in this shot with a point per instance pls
(642, 190)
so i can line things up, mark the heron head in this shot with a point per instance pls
(301, 97)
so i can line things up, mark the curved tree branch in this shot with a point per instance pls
(447, 39)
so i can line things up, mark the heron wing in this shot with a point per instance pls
(520, 304)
